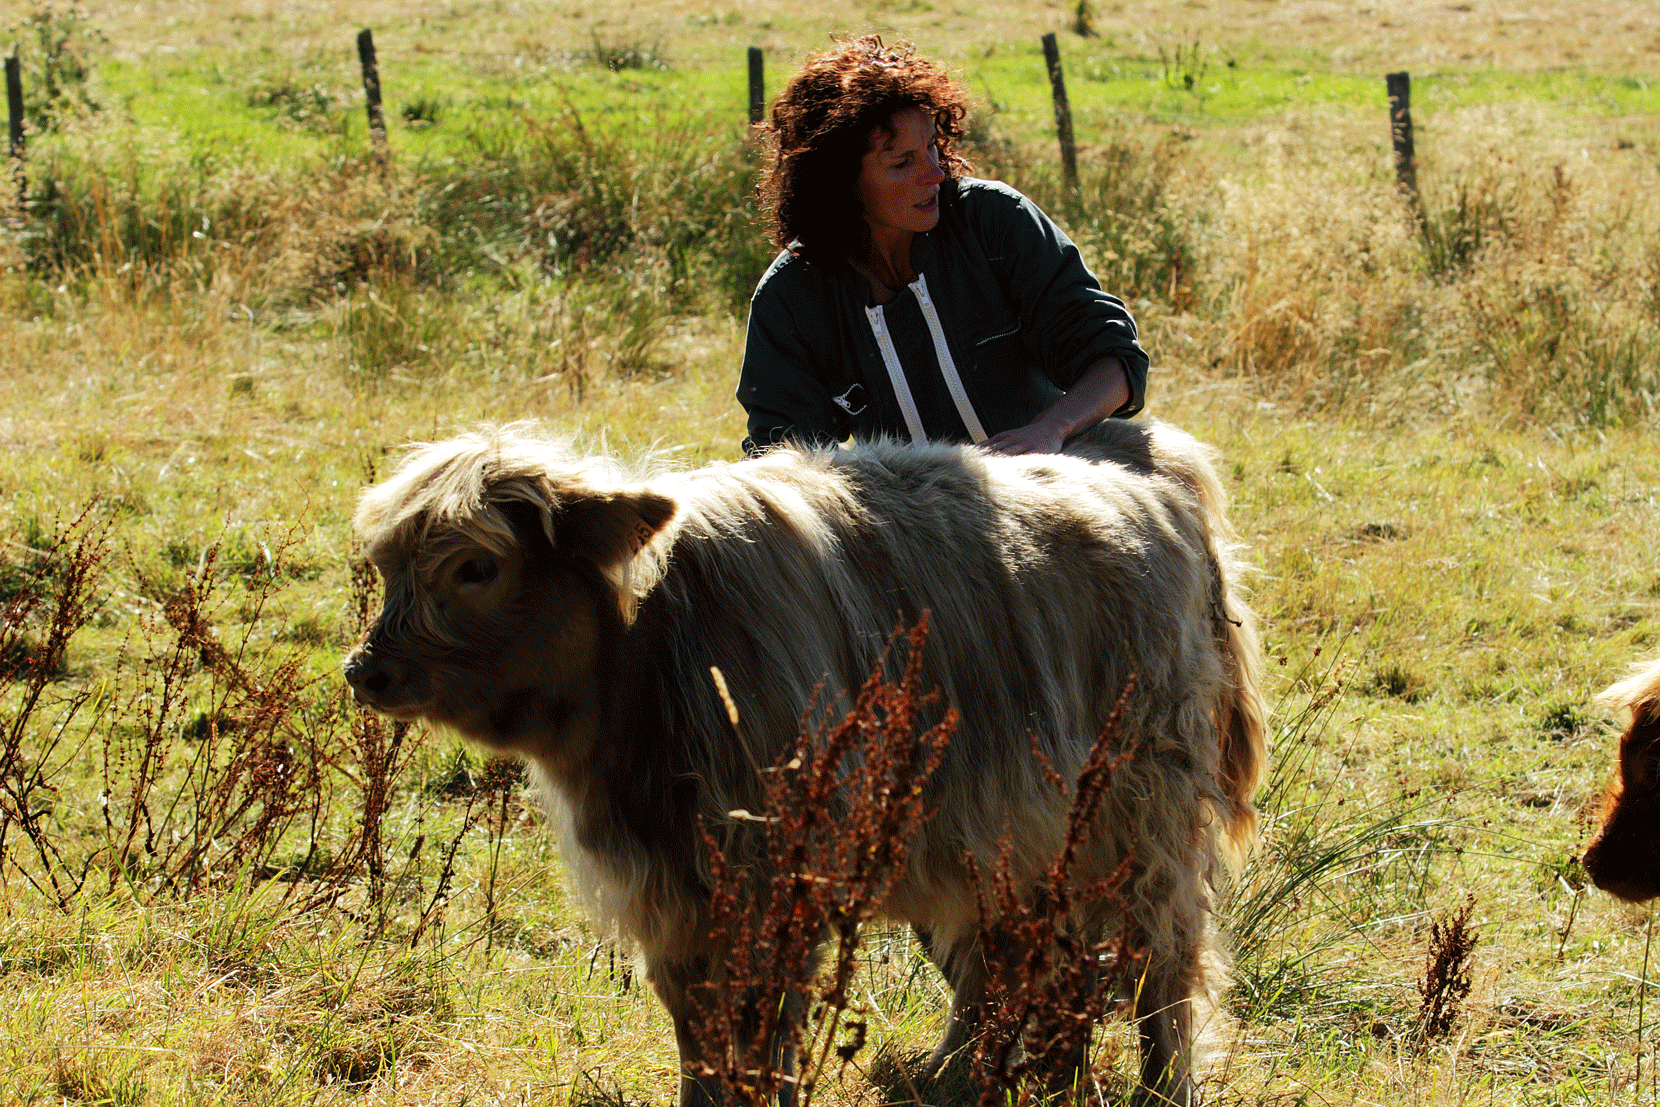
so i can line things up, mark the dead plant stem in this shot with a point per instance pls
(1642, 995)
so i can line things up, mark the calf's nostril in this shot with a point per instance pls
(371, 676)
(363, 672)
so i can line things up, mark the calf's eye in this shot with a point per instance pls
(476, 570)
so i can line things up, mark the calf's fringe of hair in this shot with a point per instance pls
(1638, 695)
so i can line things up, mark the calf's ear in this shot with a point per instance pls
(610, 528)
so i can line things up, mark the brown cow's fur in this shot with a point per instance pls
(570, 610)
(1624, 859)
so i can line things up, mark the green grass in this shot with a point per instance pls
(1105, 84)
(319, 93)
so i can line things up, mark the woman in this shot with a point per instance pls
(909, 300)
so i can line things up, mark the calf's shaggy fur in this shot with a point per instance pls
(569, 609)
(1624, 858)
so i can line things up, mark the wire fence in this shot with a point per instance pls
(619, 56)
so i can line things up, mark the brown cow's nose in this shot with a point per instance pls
(1622, 865)
(369, 676)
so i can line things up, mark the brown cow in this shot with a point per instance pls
(1624, 859)
(570, 609)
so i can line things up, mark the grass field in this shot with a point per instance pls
(220, 883)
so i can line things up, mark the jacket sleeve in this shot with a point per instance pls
(1070, 323)
(779, 385)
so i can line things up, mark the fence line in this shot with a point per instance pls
(14, 109)
(1399, 86)
(1063, 111)
(371, 94)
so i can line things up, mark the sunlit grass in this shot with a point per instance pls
(695, 65)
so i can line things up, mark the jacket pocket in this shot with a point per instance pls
(1006, 332)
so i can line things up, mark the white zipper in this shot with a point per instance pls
(896, 373)
(948, 368)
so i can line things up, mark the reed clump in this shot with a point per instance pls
(603, 237)
(1505, 289)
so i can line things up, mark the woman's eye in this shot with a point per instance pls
(477, 570)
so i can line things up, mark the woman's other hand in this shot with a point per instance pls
(1033, 438)
(1102, 390)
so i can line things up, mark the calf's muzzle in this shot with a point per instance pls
(377, 679)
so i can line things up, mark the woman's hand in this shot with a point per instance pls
(1033, 438)
(1102, 390)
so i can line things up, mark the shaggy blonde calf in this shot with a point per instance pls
(570, 610)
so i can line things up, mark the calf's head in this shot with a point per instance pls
(1624, 859)
(504, 561)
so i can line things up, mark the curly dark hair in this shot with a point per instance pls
(821, 127)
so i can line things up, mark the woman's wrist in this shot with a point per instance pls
(1102, 389)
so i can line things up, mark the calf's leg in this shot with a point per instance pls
(675, 983)
(1164, 1024)
(1163, 1014)
(964, 970)
(678, 984)
(964, 967)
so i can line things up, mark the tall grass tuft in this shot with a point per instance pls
(1508, 289)
(1556, 342)
(672, 199)
(558, 248)
(1361, 862)
(1452, 233)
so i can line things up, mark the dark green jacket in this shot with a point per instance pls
(1021, 315)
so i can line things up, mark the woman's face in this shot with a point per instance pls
(900, 175)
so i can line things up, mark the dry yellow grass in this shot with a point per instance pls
(1515, 35)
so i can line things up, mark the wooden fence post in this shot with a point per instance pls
(14, 109)
(757, 85)
(1400, 130)
(371, 92)
(1063, 112)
